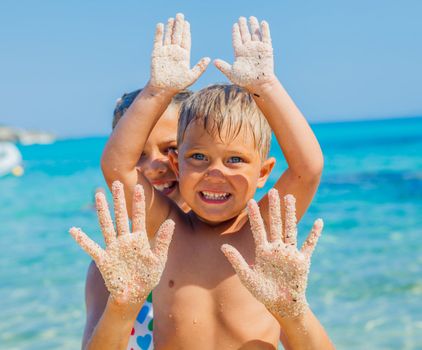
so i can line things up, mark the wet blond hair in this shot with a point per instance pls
(225, 110)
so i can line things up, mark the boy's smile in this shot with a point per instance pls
(215, 197)
(218, 174)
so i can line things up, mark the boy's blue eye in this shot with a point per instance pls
(235, 160)
(198, 156)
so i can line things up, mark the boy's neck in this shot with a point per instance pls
(230, 226)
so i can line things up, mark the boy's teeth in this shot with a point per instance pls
(213, 195)
(163, 186)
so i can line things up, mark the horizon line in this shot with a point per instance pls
(317, 122)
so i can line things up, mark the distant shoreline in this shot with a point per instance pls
(25, 137)
(313, 123)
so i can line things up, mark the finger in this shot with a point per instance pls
(237, 261)
(138, 209)
(158, 39)
(120, 211)
(265, 30)
(224, 67)
(104, 218)
(312, 239)
(290, 229)
(169, 31)
(244, 30)
(162, 240)
(236, 37)
(257, 225)
(186, 39)
(256, 33)
(179, 24)
(87, 244)
(276, 228)
(199, 68)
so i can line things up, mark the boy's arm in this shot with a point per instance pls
(304, 332)
(253, 69)
(170, 73)
(108, 325)
(113, 329)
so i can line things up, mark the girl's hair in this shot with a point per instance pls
(124, 102)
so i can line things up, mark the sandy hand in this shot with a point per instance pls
(129, 266)
(253, 54)
(279, 276)
(170, 65)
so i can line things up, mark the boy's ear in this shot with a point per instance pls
(266, 168)
(174, 163)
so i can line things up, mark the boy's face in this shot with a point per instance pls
(154, 161)
(218, 176)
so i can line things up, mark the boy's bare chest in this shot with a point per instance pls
(196, 259)
(199, 292)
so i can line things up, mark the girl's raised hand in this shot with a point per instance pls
(253, 52)
(170, 62)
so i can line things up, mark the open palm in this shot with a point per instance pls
(170, 63)
(253, 54)
(129, 266)
(279, 276)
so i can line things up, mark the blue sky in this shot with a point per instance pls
(63, 64)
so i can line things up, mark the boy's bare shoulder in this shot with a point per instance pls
(182, 220)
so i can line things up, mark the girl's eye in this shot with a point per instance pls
(235, 160)
(198, 156)
(171, 149)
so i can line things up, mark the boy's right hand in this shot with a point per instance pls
(170, 64)
(129, 266)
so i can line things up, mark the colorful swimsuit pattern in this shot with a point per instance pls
(141, 335)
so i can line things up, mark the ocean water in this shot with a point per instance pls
(366, 279)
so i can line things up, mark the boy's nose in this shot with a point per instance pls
(214, 174)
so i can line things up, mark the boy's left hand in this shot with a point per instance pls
(279, 276)
(254, 64)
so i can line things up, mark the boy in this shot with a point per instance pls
(199, 302)
(153, 164)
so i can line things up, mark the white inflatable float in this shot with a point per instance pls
(10, 159)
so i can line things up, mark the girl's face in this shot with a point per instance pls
(154, 162)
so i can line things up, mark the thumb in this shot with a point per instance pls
(237, 261)
(224, 67)
(87, 244)
(311, 241)
(162, 240)
(199, 68)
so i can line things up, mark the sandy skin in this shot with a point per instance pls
(253, 52)
(170, 61)
(131, 268)
(279, 276)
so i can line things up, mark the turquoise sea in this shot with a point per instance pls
(366, 278)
